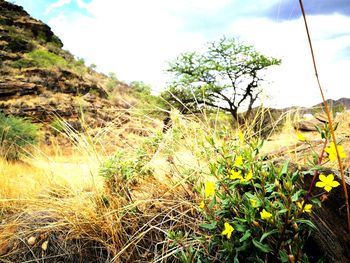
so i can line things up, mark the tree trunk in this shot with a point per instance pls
(234, 114)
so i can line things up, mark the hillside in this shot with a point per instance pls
(41, 81)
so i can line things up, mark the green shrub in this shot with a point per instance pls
(58, 126)
(16, 136)
(112, 81)
(251, 210)
(40, 58)
(127, 169)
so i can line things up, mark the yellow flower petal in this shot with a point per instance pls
(332, 152)
(327, 182)
(307, 207)
(253, 202)
(209, 189)
(235, 175)
(320, 184)
(329, 178)
(201, 205)
(328, 188)
(334, 184)
(247, 177)
(228, 229)
(265, 215)
(322, 177)
(301, 137)
(238, 161)
(241, 137)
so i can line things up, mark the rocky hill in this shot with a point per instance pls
(41, 81)
(340, 104)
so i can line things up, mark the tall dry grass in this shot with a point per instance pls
(55, 207)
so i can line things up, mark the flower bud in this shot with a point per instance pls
(277, 184)
(288, 185)
(256, 224)
(291, 258)
(295, 226)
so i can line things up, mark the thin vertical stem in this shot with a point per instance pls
(328, 116)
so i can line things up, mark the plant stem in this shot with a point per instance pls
(316, 172)
(283, 229)
(328, 117)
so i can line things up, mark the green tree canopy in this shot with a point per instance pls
(226, 76)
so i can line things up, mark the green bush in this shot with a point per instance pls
(251, 210)
(40, 58)
(112, 81)
(16, 136)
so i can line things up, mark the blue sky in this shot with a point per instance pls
(136, 39)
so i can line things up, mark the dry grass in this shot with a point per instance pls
(56, 208)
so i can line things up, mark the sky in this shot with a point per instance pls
(136, 39)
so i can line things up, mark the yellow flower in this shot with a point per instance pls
(201, 205)
(253, 202)
(209, 189)
(265, 215)
(235, 175)
(240, 136)
(327, 182)
(333, 153)
(238, 161)
(247, 177)
(301, 137)
(307, 207)
(228, 230)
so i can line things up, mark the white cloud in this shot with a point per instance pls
(294, 83)
(56, 5)
(135, 39)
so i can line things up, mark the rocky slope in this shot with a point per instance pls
(41, 81)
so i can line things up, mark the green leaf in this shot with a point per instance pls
(265, 235)
(319, 130)
(296, 196)
(239, 227)
(245, 236)
(295, 176)
(285, 168)
(283, 255)
(243, 247)
(316, 201)
(282, 211)
(270, 188)
(249, 195)
(210, 226)
(306, 222)
(262, 247)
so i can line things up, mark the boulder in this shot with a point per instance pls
(308, 125)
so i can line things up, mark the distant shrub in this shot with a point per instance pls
(121, 168)
(40, 58)
(141, 87)
(58, 125)
(16, 135)
(112, 81)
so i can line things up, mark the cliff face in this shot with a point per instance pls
(41, 81)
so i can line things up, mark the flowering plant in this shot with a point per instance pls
(251, 209)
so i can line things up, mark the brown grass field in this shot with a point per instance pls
(55, 207)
